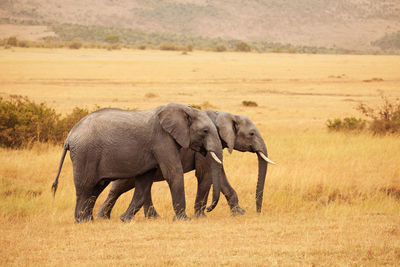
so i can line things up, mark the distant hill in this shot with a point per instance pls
(350, 24)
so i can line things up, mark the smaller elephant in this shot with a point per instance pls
(236, 132)
(111, 144)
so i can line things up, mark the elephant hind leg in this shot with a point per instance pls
(143, 187)
(118, 187)
(149, 210)
(85, 200)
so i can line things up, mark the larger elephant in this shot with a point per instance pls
(111, 144)
(236, 132)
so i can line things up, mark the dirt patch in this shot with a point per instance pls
(25, 32)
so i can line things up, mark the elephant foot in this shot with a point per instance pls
(152, 213)
(102, 216)
(126, 217)
(237, 210)
(199, 214)
(84, 219)
(152, 216)
(182, 217)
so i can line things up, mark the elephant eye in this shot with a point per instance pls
(205, 131)
(252, 134)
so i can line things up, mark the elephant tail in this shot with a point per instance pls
(55, 184)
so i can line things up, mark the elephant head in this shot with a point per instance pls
(192, 128)
(239, 132)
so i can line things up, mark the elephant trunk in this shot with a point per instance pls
(262, 171)
(215, 166)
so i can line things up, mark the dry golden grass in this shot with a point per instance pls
(333, 199)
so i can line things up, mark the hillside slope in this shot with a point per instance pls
(351, 24)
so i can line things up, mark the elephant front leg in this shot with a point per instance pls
(171, 168)
(178, 197)
(203, 189)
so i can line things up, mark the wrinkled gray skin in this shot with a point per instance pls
(236, 132)
(111, 144)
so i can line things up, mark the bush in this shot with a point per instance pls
(168, 47)
(242, 47)
(23, 43)
(112, 39)
(348, 124)
(249, 103)
(384, 119)
(220, 48)
(195, 106)
(64, 125)
(12, 41)
(23, 122)
(75, 45)
(189, 48)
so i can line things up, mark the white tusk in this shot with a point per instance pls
(265, 158)
(215, 157)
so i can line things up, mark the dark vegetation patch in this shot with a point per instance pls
(390, 41)
(392, 191)
(384, 119)
(204, 105)
(24, 122)
(110, 38)
(249, 103)
(373, 80)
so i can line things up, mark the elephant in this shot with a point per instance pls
(236, 132)
(111, 144)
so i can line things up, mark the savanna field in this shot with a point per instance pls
(333, 199)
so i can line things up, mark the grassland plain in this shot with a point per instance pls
(333, 199)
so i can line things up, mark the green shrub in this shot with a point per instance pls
(220, 48)
(12, 41)
(189, 48)
(347, 124)
(195, 106)
(168, 47)
(249, 103)
(242, 47)
(23, 122)
(65, 125)
(112, 39)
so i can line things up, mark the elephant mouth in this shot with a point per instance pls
(203, 151)
(199, 149)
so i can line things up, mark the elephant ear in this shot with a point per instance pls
(226, 124)
(175, 120)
